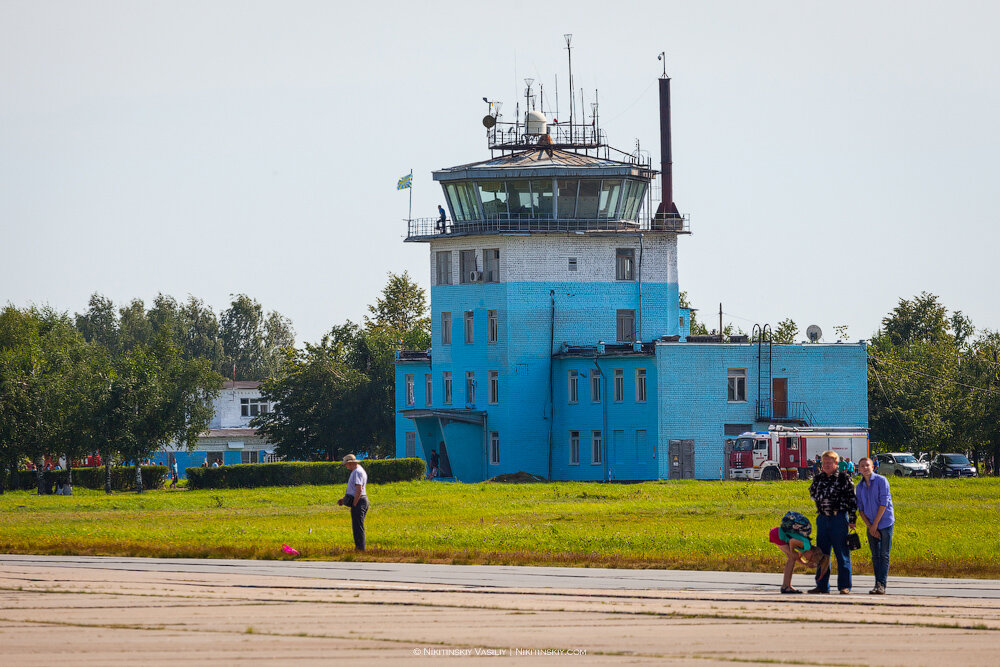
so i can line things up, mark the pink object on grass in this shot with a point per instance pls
(288, 550)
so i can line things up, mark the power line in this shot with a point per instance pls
(935, 377)
(896, 410)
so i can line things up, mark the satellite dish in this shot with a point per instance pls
(489, 122)
(814, 333)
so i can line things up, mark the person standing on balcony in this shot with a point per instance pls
(442, 219)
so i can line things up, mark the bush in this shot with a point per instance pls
(122, 478)
(253, 475)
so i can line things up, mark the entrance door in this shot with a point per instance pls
(780, 401)
(680, 458)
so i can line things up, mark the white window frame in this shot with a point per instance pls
(446, 328)
(470, 327)
(625, 264)
(494, 448)
(734, 386)
(428, 388)
(574, 448)
(596, 388)
(573, 386)
(640, 385)
(447, 382)
(492, 329)
(254, 406)
(470, 387)
(411, 444)
(491, 257)
(408, 382)
(619, 375)
(596, 445)
(494, 377)
(443, 268)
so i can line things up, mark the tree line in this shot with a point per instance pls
(125, 381)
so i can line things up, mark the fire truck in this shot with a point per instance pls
(783, 452)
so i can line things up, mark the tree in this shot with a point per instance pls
(401, 307)
(696, 327)
(202, 339)
(278, 337)
(785, 333)
(100, 323)
(315, 418)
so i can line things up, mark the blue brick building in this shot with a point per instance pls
(559, 346)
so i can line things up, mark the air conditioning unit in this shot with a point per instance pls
(475, 276)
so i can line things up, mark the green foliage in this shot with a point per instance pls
(785, 333)
(254, 475)
(122, 478)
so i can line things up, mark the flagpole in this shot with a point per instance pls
(411, 195)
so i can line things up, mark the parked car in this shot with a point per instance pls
(952, 465)
(901, 464)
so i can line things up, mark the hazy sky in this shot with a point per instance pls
(834, 157)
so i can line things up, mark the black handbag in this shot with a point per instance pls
(853, 541)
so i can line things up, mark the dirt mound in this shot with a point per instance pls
(518, 478)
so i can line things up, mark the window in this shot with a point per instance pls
(408, 381)
(574, 448)
(249, 457)
(625, 264)
(251, 407)
(595, 447)
(470, 326)
(494, 447)
(572, 263)
(494, 387)
(446, 379)
(446, 328)
(566, 199)
(443, 266)
(737, 381)
(466, 265)
(680, 321)
(491, 265)
(411, 444)
(428, 388)
(640, 385)
(626, 326)
(595, 386)
(619, 385)
(470, 387)
(491, 326)
(574, 386)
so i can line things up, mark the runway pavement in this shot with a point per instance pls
(98, 611)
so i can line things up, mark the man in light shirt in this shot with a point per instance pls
(359, 500)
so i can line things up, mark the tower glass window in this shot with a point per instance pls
(442, 265)
(610, 193)
(567, 198)
(494, 197)
(541, 199)
(519, 201)
(463, 201)
(586, 207)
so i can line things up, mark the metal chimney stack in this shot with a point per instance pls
(667, 208)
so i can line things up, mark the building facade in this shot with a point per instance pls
(559, 346)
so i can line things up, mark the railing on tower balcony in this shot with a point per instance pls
(785, 411)
(426, 228)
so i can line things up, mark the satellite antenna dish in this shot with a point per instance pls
(814, 333)
(489, 121)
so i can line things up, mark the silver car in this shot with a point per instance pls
(901, 464)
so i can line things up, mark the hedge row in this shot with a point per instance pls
(253, 475)
(122, 478)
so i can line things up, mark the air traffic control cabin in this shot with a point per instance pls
(559, 347)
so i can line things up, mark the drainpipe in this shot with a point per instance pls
(604, 418)
(552, 342)
(640, 289)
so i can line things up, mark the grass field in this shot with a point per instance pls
(943, 527)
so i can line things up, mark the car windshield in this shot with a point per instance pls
(743, 445)
(956, 459)
(905, 458)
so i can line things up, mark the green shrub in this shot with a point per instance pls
(122, 478)
(253, 475)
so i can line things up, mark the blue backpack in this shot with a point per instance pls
(794, 522)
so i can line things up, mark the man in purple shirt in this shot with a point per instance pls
(875, 509)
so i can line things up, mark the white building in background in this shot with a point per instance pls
(229, 439)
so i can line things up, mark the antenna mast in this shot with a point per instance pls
(569, 51)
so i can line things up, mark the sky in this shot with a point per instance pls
(834, 157)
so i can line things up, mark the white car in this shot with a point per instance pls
(901, 464)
